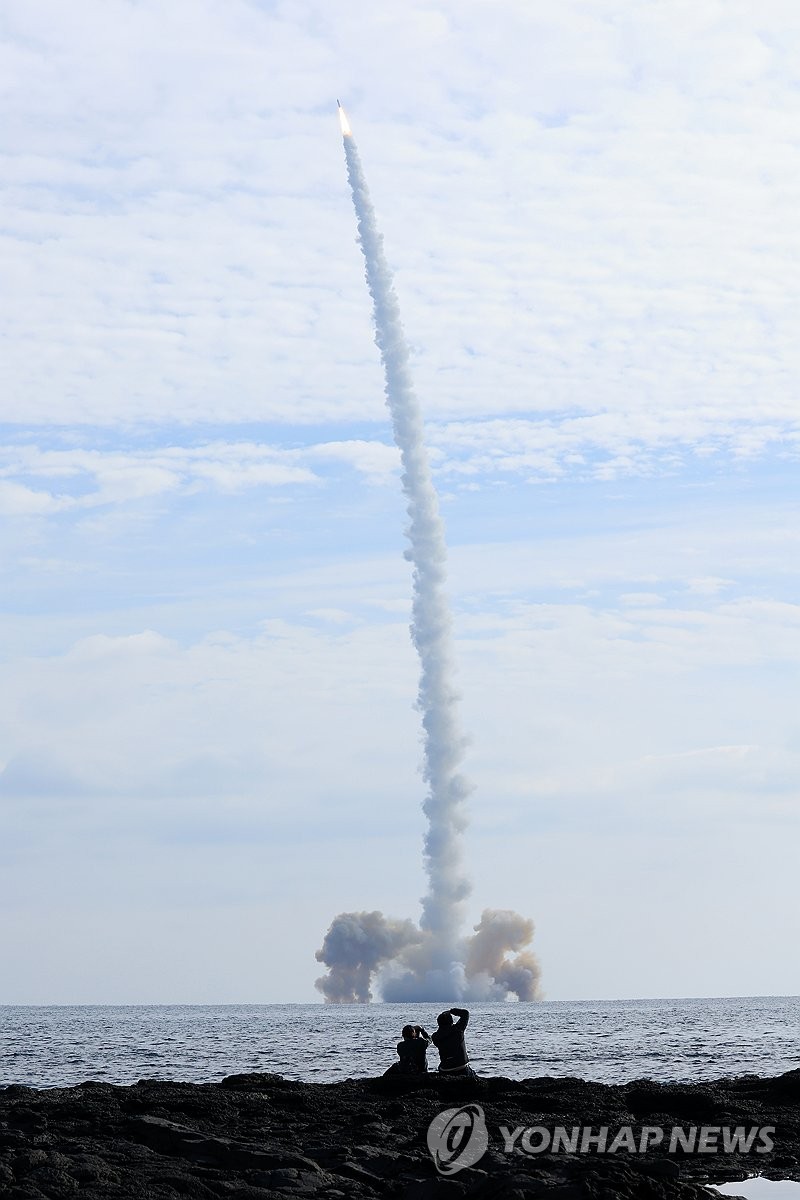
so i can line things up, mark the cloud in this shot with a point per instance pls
(376, 461)
(591, 212)
(467, 455)
(18, 500)
(225, 756)
(91, 478)
(88, 478)
(611, 241)
(38, 774)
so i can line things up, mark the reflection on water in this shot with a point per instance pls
(758, 1188)
(607, 1041)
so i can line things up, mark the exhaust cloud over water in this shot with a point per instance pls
(362, 950)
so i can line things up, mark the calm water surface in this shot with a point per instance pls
(757, 1188)
(608, 1041)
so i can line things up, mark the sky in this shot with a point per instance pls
(208, 741)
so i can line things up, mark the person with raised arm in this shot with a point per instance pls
(449, 1041)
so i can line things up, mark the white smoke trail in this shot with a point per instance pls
(435, 962)
(430, 626)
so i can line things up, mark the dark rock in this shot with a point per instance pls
(256, 1136)
(54, 1182)
(262, 1082)
(26, 1160)
(9, 1138)
(658, 1168)
(185, 1142)
(289, 1179)
(650, 1098)
(788, 1085)
(433, 1189)
(184, 1185)
(353, 1170)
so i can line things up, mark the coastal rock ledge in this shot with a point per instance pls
(252, 1137)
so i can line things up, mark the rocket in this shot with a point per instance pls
(343, 121)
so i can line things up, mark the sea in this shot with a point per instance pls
(611, 1041)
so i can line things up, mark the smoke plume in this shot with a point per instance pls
(356, 946)
(434, 961)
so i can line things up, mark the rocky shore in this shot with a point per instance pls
(255, 1136)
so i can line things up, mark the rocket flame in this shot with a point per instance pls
(345, 124)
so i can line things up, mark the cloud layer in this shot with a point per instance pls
(207, 683)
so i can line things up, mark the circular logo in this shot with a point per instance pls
(457, 1138)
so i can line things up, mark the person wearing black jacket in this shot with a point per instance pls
(449, 1041)
(412, 1051)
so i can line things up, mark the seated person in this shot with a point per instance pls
(449, 1041)
(412, 1051)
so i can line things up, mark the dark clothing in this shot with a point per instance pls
(449, 1041)
(412, 1052)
